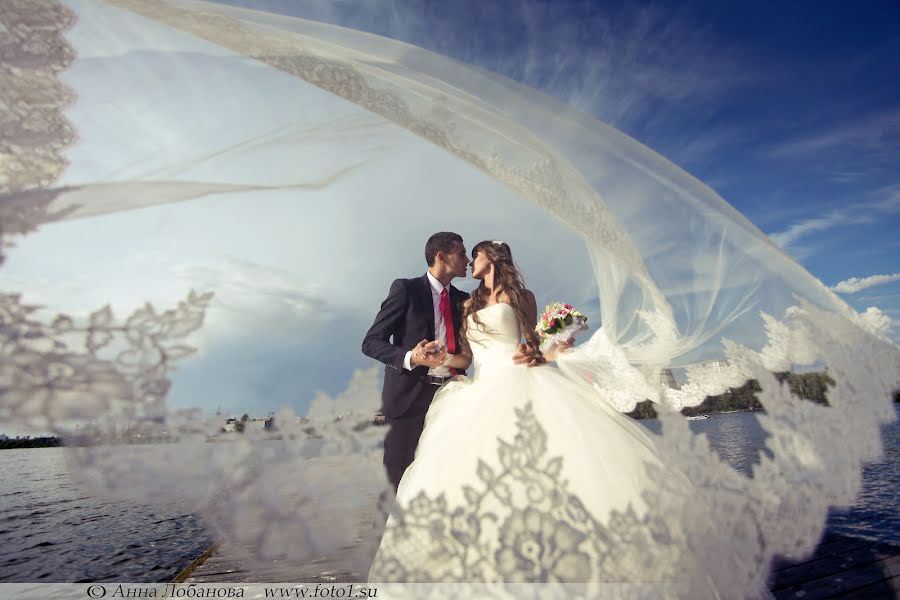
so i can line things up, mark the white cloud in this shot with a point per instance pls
(245, 286)
(888, 202)
(876, 321)
(856, 284)
(875, 132)
(855, 151)
(804, 228)
(363, 394)
(632, 67)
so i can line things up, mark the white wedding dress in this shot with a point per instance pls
(521, 475)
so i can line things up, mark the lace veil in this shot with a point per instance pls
(684, 281)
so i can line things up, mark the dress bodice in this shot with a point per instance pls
(495, 339)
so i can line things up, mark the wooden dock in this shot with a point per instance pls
(842, 567)
(239, 563)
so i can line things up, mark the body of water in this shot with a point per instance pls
(53, 529)
(740, 441)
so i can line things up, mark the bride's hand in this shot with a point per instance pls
(557, 349)
(564, 346)
(528, 356)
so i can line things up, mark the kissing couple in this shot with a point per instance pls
(478, 463)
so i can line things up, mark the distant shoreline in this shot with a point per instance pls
(31, 442)
(812, 386)
(702, 413)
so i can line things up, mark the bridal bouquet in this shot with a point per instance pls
(559, 323)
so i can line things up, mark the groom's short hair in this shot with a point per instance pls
(443, 241)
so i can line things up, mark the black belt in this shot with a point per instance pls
(431, 379)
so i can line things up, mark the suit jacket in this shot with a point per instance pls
(406, 318)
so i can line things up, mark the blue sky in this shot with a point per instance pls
(792, 114)
(790, 111)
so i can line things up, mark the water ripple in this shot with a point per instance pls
(58, 532)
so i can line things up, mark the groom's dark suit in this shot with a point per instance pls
(406, 318)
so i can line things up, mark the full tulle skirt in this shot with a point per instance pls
(524, 475)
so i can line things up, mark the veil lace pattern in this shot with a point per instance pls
(35, 132)
(65, 368)
(61, 368)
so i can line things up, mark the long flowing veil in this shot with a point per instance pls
(118, 105)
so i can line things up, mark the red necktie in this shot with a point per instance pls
(448, 324)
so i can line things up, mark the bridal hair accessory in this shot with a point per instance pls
(498, 242)
(558, 323)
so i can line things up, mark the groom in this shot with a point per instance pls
(414, 334)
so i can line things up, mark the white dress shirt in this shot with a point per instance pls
(440, 328)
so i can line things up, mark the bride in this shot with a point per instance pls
(519, 471)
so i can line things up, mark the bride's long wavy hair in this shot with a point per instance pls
(507, 279)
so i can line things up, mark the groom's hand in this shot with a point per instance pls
(528, 356)
(428, 354)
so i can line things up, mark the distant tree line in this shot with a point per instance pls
(242, 424)
(812, 386)
(30, 442)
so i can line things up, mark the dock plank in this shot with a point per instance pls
(842, 583)
(807, 571)
(843, 572)
(888, 588)
(233, 562)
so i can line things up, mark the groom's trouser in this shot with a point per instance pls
(402, 437)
